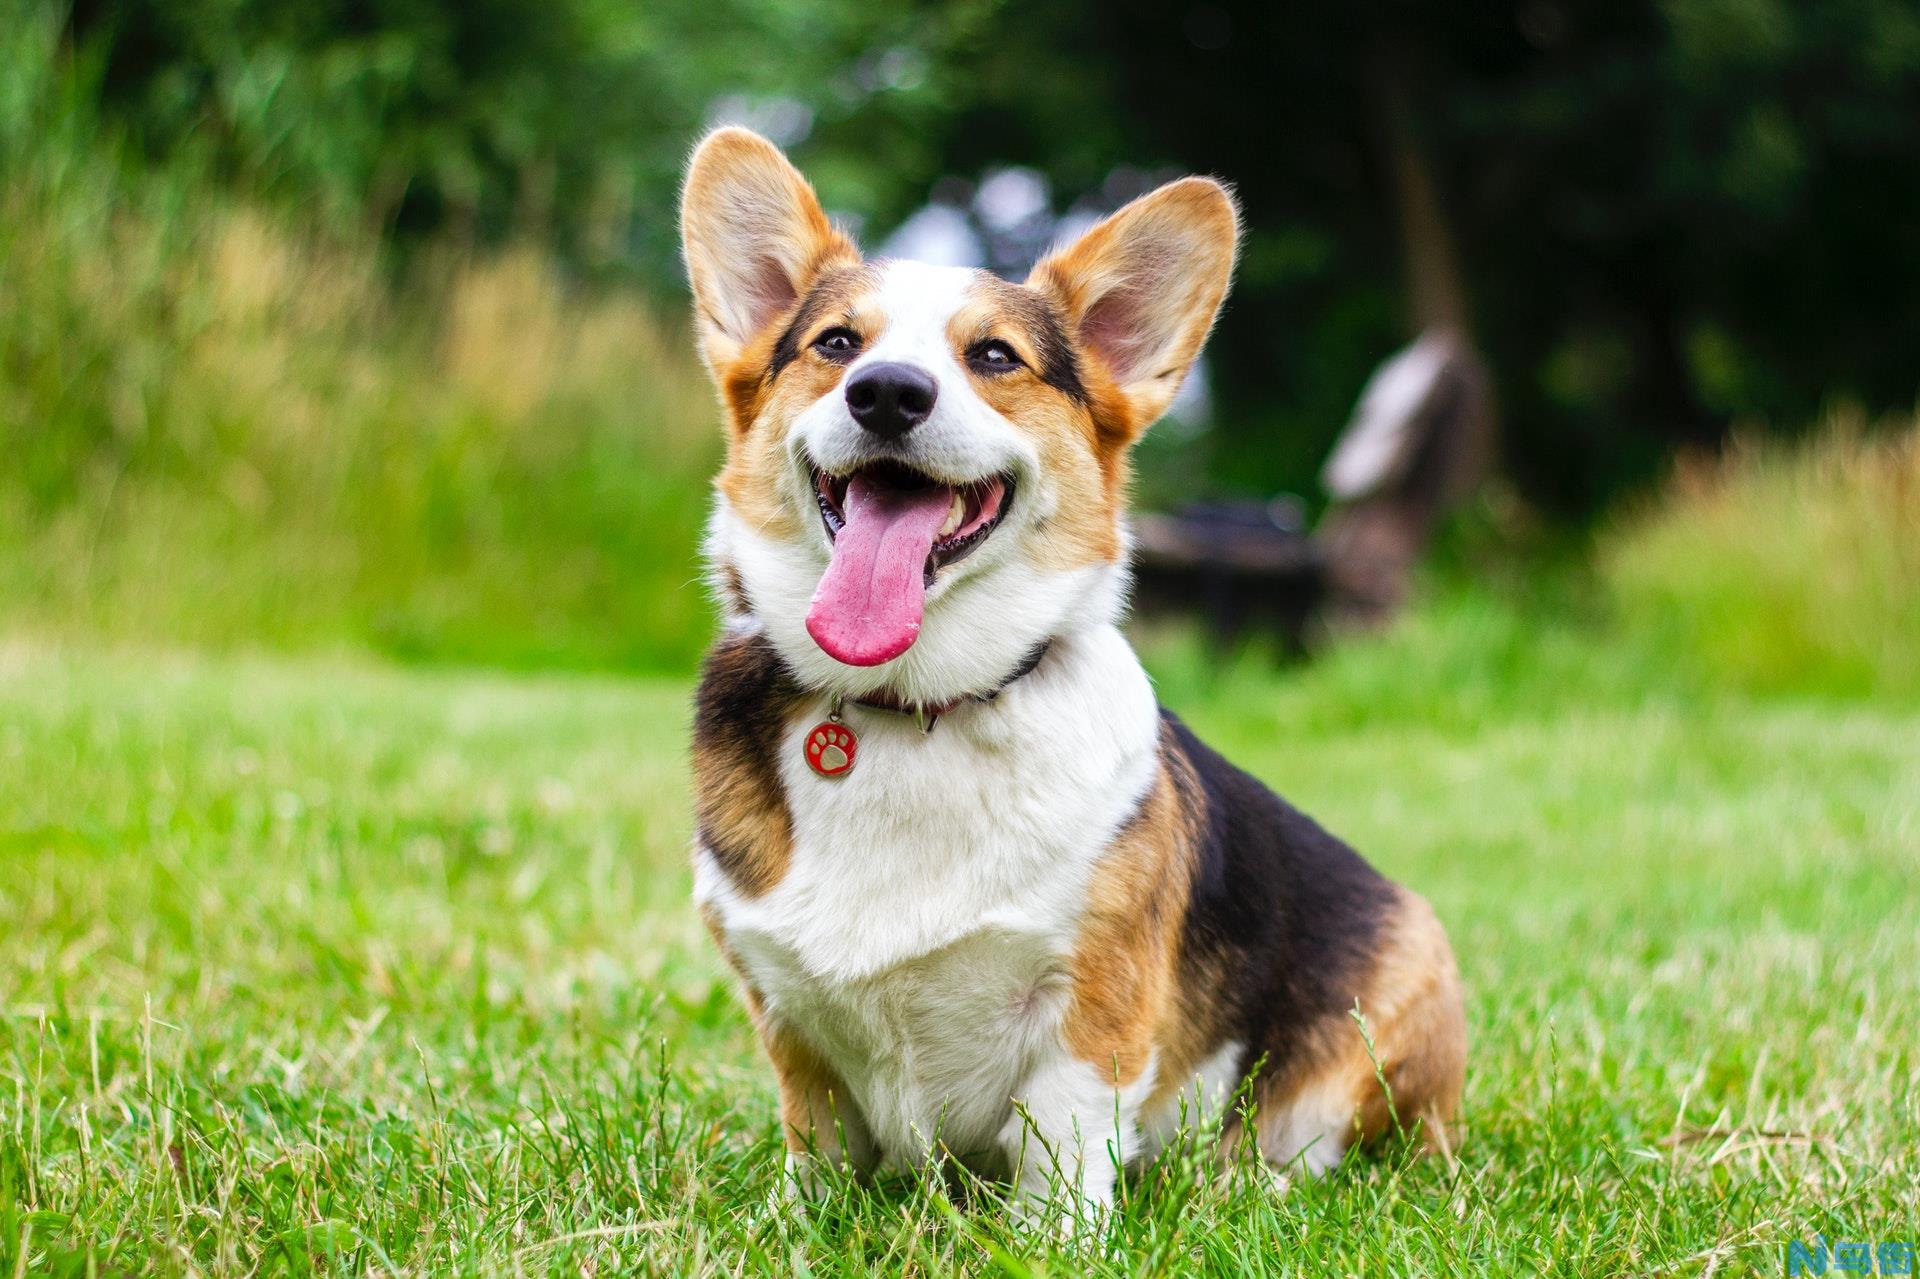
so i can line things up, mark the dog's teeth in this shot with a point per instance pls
(954, 516)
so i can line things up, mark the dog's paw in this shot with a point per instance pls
(803, 1182)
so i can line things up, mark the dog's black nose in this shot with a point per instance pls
(891, 399)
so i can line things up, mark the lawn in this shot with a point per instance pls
(383, 962)
(319, 965)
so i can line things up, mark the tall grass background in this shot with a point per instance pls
(227, 424)
(1783, 569)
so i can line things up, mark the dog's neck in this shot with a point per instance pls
(929, 713)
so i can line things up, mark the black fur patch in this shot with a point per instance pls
(1287, 916)
(740, 712)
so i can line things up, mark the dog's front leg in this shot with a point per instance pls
(823, 1128)
(1073, 1128)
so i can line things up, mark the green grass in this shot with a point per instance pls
(315, 963)
(1779, 567)
(311, 962)
(315, 966)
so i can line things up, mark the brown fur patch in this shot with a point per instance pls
(1134, 993)
(1055, 401)
(815, 1107)
(776, 378)
(1419, 1029)
(732, 588)
(1412, 1009)
(1126, 1000)
(711, 918)
(745, 700)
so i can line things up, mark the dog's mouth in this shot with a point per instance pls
(893, 528)
(971, 511)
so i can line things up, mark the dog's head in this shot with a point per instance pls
(927, 466)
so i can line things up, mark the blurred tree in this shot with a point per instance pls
(1666, 214)
(1669, 215)
(488, 119)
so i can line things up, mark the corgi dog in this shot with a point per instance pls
(987, 901)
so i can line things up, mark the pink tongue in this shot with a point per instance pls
(868, 607)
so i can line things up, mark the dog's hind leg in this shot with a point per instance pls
(1396, 1068)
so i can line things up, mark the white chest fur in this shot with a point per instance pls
(920, 935)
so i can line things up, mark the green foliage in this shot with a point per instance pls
(1667, 214)
(311, 967)
(497, 121)
(233, 415)
(226, 427)
(1784, 569)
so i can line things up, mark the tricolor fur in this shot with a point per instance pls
(1037, 936)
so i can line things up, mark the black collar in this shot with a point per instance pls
(928, 713)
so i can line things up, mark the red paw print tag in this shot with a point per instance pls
(831, 746)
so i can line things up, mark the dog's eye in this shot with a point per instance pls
(838, 344)
(993, 356)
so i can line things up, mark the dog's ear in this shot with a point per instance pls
(754, 237)
(1141, 288)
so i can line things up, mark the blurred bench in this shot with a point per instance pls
(1416, 447)
(1238, 565)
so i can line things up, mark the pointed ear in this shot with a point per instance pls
(1141, 288)
(754, 238)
